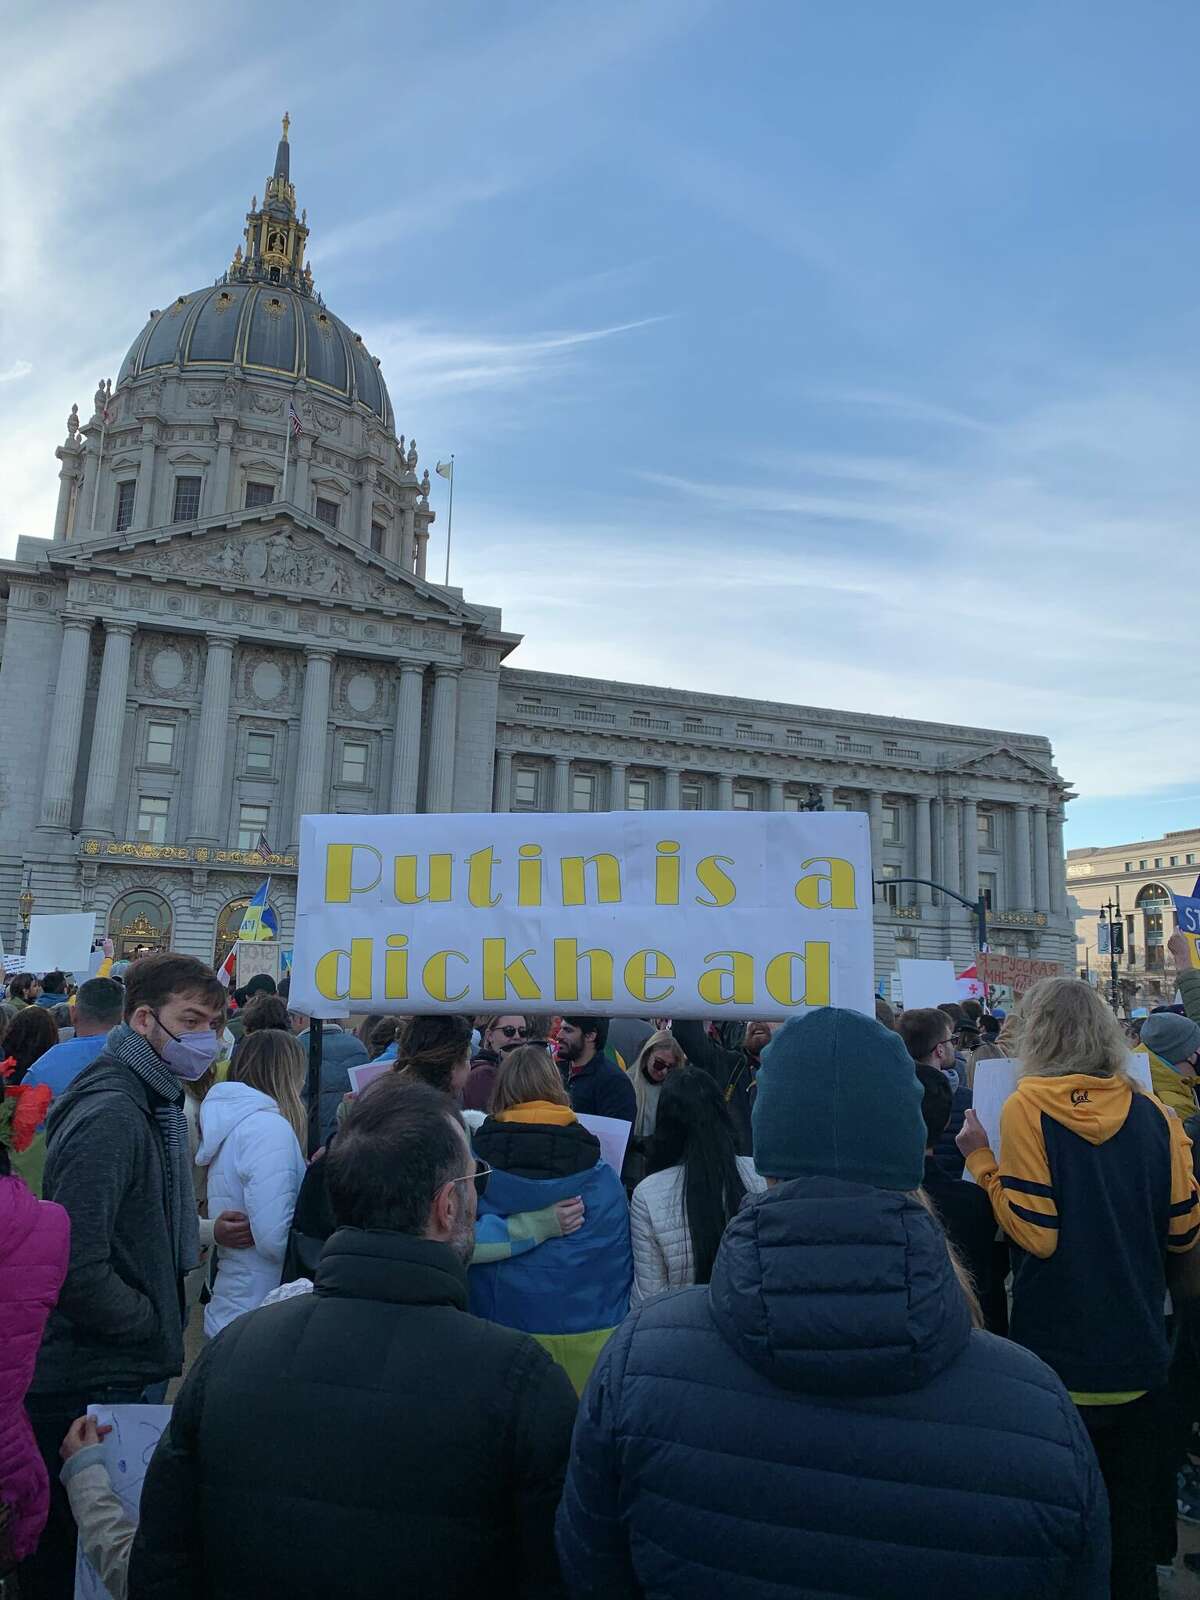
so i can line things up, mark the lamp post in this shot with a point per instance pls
(25, 907)
(979, 906)
(1112, 923)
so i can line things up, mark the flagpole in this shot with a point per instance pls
(449, 519)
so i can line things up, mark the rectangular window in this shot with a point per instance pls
(889, 831)
(525, 788)
(152, 819)
(1129, 866)
(791, 802)
(160, 744)
(327, 511)
(123, 514)
(1142, 864)
(842, 805)
(187, 499)
(889, 892)
(1158, 861)
(252, 824)
(691, 797)
(377, 533)
(260, 752)
(743, 800)
(1189, 861)
(987, 888)
(1174, 861)
(637, 794)
(259, 494)
(354, 762)
(583, 791)
(985, 822)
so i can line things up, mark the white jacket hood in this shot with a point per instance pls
(223, 1108)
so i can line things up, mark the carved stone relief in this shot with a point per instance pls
(282, 561)
(266, 679)
(168, 666)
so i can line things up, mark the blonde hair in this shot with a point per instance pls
(640, 1082)
(1066, 1028)
(272, 1062)
(527, 1073)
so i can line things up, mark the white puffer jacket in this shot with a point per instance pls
(662, 1242)
(254, 1165)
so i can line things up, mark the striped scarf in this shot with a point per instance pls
(132, 1051)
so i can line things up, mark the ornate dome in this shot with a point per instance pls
(263, 317)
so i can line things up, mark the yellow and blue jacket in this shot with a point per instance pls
(1094, 1186)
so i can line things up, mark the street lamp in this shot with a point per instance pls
(979, 907)
(25, 907)
(1112, 935)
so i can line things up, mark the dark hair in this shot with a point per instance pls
(693, 1129)
(30, 1034)
(153, 980)
(260, 983)
(972, 1011)
(989, 1025)
(953, 1010)
(400, 1143)
(99, 1000)
(265, 1011)
(55, 982)
(18, 987)
(596, 1025)
(935, 1107)
(382, 1035)
(884, 1013)
(284, 991)
(922, 1030)
(431, 1047)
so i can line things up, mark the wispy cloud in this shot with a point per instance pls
(15, 369)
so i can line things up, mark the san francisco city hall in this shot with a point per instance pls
(202, 652)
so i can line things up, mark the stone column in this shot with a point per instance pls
(218, 482)
(827, 796)
(443, 728)
(66, 721)
(108, 732)
(87, 491)
(311, 768)
(562, 783)
(68, 454)
(1022, 859)
(366, 503)
(1058, 864)
(406, 756)
(208, 785)
(143, 495)
(671, 797)
(875, 813)
(502, 781)
(922, 848)
(408, 537)
(1041, 859)
(302, 458)
(970, 840)
(422, 549)
(618, 796)
(724, 792)
(775, 794)
(951, 847)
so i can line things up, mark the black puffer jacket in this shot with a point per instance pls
(821, 1420)
(370, 1439)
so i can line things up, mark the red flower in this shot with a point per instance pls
(32, 1103)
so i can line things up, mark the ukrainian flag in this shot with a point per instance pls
(257, 921)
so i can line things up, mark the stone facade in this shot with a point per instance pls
(1137, 880)
(231, 625)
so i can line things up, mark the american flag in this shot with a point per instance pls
(294, 419)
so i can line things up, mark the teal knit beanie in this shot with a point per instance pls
(838, 1097)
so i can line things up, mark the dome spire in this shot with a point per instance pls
(275, 234)
(283, 153)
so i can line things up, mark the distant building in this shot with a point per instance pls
(1142, 876)
(203, 652)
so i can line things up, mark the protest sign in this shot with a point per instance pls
(620, 914)
(255, 956)
(926, 983)
(1187, 914)
(360, 1077)
(613, 1134)
(61, 943)
(1017, 973)
(995, 1080)
(126, 1454)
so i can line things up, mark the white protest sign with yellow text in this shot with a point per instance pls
(657, 913)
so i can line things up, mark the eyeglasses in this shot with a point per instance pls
(534, 1044)
(512, 1033)
(480, 1177)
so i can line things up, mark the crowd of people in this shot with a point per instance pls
(821, 1333)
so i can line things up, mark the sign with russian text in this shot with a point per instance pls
(620, 914)
(1017, 973)
(1187, 914)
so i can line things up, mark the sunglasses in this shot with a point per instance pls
(510, 1032)
(536, 1044)
(480, 1177)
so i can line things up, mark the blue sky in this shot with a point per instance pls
(843, 354)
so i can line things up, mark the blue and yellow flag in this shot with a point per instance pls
(257, 921)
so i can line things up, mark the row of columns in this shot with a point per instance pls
(208, 767)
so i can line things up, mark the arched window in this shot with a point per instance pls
(139, 924)
(1154, 905)
(230, 921)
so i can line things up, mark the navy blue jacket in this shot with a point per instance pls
(821, 1419)
(602, 1090)
(339, 1052)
